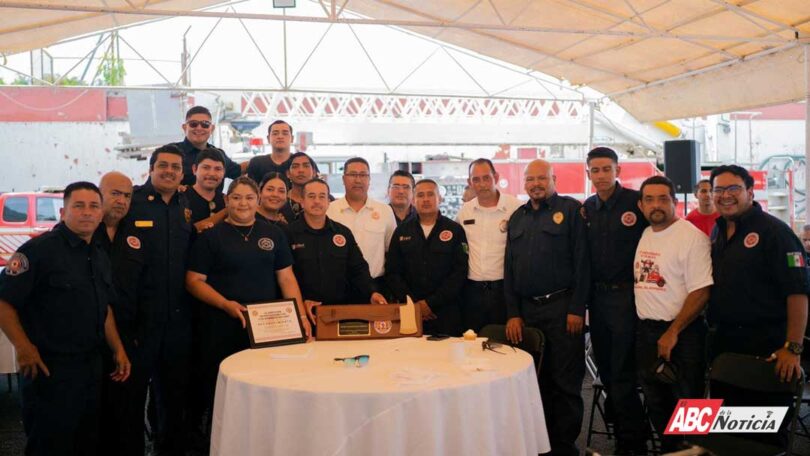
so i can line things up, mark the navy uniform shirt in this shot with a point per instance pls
(60, 286)
(232, 169)
(286, 212)
(614, 228)
(755, 271)
(411, 215)
(432, 268)
(260, 165)
(329, 266)
(547, 252)
(200, 207)
(129, 276)
(165, 233)
(242, 270)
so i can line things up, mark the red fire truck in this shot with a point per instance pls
(23, 216)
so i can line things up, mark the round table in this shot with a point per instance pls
(8, 357)
(411, 399)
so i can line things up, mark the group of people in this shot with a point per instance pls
(141, 291)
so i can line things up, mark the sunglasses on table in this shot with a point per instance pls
(356, 361)
(199, 123)
(493, 347)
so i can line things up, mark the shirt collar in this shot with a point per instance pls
(73, 239)
(550, 203)
(343, 204)
(752, 212)
(611, 201)
(150, 191)
(501, 206)
(191, 148)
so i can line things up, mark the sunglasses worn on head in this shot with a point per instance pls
(199, 123)
(356, 361)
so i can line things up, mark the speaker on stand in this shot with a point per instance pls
(682, 166)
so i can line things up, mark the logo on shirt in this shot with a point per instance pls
(445, 235)
(751, 240)
(503, 226)
(339, 240)
(558, 217)
(648, 272)
(404, 238)
(187, 214)
(150, 198)
(134, 242)
(375, 215)
(297, 246)
(17, 264)
(383, 327)
(629, 218)
(266, 243)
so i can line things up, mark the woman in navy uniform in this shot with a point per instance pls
(274, 207)
(236, 262)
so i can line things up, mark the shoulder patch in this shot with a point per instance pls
(17, 264)
(796, 260)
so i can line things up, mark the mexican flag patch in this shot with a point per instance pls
(795, 260)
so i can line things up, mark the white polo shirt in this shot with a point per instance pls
(668, 266)
(486, 235)
(372, 226)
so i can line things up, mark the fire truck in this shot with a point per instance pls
(24, 216)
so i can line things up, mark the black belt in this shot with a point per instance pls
(549, 297)
(486, 285)
(606, 286)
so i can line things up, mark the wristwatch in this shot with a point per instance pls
(794, 347)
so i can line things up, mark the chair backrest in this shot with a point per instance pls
(751, 373)
(533, 341)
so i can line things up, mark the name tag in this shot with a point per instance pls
(469, 222)
(144, 223)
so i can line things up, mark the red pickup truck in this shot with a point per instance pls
(23, 216)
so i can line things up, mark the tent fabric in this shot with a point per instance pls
(659, 59)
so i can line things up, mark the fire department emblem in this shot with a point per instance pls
(751, 240)
(383, 327)
(375, 215)
(445, 235)
(266, 243)
(134, 242)
(558, 217)
(339, 240)
(17, 264)
(629, 218)
(187, 214)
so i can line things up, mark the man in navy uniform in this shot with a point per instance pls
(55, 296)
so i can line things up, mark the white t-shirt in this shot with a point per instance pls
(372, 226)
(668, 266)
(485, 228)
(426, 229)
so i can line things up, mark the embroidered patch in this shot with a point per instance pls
(150, 198)
(144, 224)
(17, 264)
(751, 240)
(404, 238)
(266, 243)
(383, 327)
(134, 242)
(629, 218)
(339, 240)
(558, 217)
(375, 215)
(297, 246)
(503, 226)
(187, 214)
(465, 247)
(445, 235)
(796, 260)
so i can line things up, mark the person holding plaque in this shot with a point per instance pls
(328, 263)
(234, 263)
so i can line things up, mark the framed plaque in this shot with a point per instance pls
(274, 323)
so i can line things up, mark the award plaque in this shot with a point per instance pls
(274, 323)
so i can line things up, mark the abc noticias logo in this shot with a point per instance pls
(702, 416)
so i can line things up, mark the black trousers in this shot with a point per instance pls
(689, 355)
(483, 305)
(122, 409)
(561, 374)
(613, 322)
(60, 412)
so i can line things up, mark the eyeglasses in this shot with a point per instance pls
(405, 187)
(731, 189)
(493, 346)
(362, 176)
(199, 123)
(356, 361)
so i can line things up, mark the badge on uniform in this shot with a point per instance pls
(629, 218)
(134, 242)
(187, 214)
(752, 240)
(144, 224)
(558, 217)
(445, 235)
(17, 264)
(150, 198)
(266, 243)
(375, 215)
(339, 240)
(503, 226)
(796, 260)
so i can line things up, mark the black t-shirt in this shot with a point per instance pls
(263, 164)
(200, 207)
(242, 270)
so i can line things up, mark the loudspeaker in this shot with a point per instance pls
(682, 164)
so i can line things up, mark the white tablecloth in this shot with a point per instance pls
(8, 357)
(411, 399)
